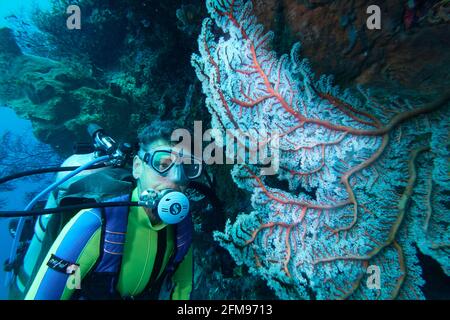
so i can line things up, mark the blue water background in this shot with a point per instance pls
(10, 122)
(20, 8)
(15, 199)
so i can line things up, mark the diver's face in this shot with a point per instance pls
(147, 177)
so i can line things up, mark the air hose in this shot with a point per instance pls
(64, 179)
(77, 207)
(202, 188)
(45, 170)
(21, 223)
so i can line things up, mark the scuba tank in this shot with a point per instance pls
(28, 250)
(41, 240)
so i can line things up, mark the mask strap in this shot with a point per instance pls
(147, 157)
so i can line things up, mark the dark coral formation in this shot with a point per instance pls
(124, 68)
(129, 64)
(335, 38)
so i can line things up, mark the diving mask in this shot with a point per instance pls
(163, 160)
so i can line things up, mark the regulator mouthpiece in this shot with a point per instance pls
(171, 206)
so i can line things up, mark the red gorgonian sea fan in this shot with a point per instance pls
(367, 180)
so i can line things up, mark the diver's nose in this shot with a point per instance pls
(177, 175)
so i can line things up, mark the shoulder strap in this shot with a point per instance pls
(113, 237)
(104, 275)
(183, 232)
(183, 238)
(113, 240)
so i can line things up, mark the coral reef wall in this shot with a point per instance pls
(406, 54)
(365, 175)
(130, 64)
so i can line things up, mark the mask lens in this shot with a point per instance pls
(163, 161)
(192, 168)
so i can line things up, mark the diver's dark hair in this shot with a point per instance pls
(157, 129)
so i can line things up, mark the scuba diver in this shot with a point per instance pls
(139, 250)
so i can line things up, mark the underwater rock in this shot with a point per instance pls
(189, 18)
(59, 99)
(129, 56)
(335, 39)
(216, 276)
(8, 45)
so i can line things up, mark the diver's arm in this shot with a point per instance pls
(78, 243)
(182, 278)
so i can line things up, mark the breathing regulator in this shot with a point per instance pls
(171, 206)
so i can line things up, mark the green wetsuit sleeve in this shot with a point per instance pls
(182, 278)
(78, 243)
